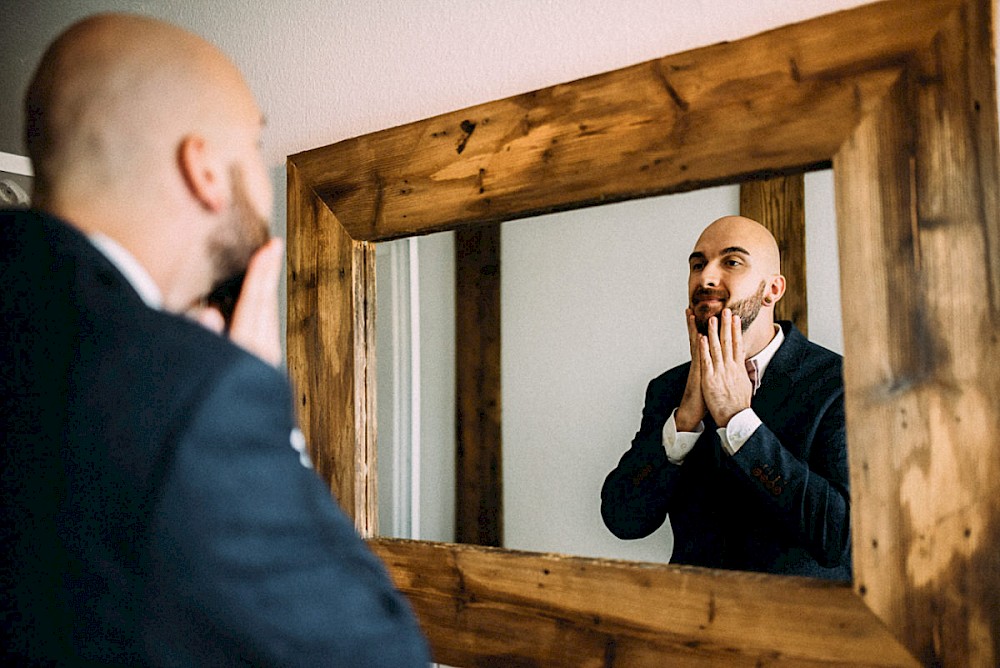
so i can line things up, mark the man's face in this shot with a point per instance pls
(722, 273)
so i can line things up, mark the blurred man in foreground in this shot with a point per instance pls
(158, 504)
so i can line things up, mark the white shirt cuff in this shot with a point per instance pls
(679, 444)
(739, 430)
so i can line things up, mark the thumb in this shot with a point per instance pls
(210, 318)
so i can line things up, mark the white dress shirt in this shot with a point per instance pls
(740, 428)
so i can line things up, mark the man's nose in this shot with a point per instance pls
(710, 276)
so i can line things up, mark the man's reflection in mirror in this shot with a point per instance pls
(744, 447)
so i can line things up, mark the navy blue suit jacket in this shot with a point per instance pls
(781, 504)
(153, 510)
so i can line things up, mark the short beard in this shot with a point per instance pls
(242, 233)
(747, 309)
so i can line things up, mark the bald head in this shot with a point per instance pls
(735, 264)
(115, 93)
(146, 133)
(748, 234)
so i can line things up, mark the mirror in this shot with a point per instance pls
(908, 118)
(587, 299)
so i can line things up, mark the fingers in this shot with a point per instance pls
(264, 272)
(726, 334)
(714, 345)
(255, 319)
(739, 352)
(723, 372)
(705, 357)
(731, 337)
(692, 330)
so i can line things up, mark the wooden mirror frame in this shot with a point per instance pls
(900, 98)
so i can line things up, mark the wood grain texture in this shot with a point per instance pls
(479, 461)
(330, 339)
(778, 203)
(900, 96)
(923, 390)
(486, 607)
(776, 102)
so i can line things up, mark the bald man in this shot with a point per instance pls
(744, 446)
(158, 504)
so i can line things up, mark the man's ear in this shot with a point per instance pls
(776, 289)
(202, 173)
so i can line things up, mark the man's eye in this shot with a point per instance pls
(696, 266)
(733, 263)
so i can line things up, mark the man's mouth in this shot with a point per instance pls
(706, 307)
(707, 299)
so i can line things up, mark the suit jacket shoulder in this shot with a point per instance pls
(160, 440)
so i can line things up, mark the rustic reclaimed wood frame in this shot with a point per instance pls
(899, 97)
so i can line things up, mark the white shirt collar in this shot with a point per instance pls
(763, 358)
(130, 267)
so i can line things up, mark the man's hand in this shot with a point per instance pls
(725, 384)
(692, 409)
(255, 318)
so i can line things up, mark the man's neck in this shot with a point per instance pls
(761, 333)
(160, 255)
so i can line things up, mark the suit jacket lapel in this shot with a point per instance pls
(779, 378)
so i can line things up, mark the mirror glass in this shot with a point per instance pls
(592, 309)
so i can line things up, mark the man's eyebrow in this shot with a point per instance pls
(735, 249)
(698, 255)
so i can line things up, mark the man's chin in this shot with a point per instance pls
(702, 324)
(702, 314)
